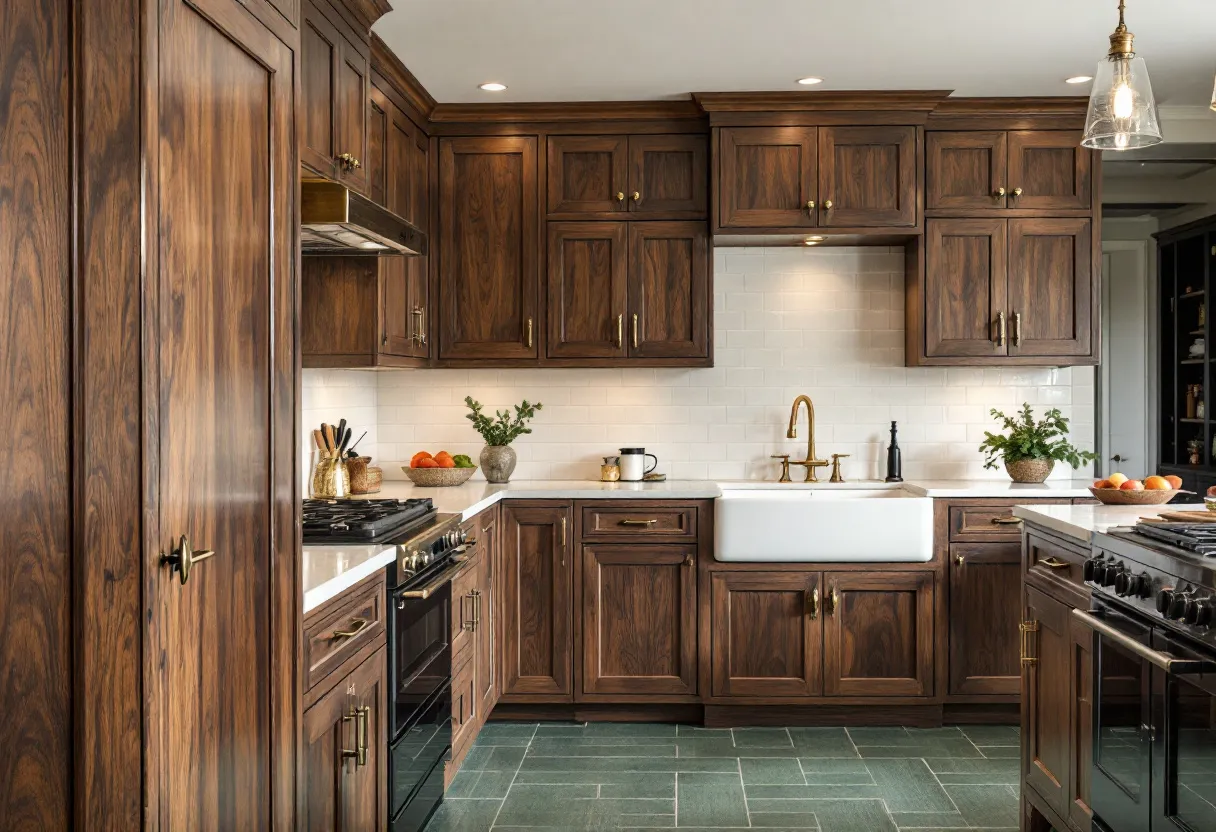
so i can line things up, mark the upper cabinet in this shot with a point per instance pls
(333, 96)
(640, 177)
(983, 172)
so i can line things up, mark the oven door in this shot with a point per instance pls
(420, 658)
(1121, 770)
(1184, 749)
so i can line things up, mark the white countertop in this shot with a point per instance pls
(1083, 522)
(331, 570)
(1004, 489)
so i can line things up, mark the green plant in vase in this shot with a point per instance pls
(498, 458)
(1030, 449)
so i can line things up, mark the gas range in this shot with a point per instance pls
(1166, 571)
(365, 521)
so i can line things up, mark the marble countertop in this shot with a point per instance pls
(1081, 523)
(331, 570)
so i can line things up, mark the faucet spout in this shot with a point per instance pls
(811, 462)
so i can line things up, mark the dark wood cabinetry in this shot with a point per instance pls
(984, 612)
(982, 172)
(644, 177)
(587, 288)
(333, 96)
(1049, 171)
(1046, 698)
(867, 176)
(766, 177)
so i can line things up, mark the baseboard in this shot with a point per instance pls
(739, 716)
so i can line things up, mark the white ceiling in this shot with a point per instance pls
(572, 50)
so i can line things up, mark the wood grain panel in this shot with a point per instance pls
(766, 177)
(488, 275)
(965, 287)
(965, 170)
(341, 315)
(878, 634)
(1051, 287)
(765, 641)
(587, 173)
(1046, 702)
(362, 613)
(668, 290)
(1081, 742)
(319, 50)
(985, 607)
(1051, 168)
(648, 519)
(587, 289)
(869, 176)
(671, 176)
(639, 613)
(377, 144)
(35, 384)
(350, 112)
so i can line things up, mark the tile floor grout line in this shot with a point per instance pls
(946, 792)
(677, 797)
(514, 777)
(802, 771)
(746, 809)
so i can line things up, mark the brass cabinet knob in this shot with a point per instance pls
(810, 205)
(182, 558)
(960, 560)
(620, 196)
(1017, 192)
(827, 205)
(1000, 192)
(637, 197)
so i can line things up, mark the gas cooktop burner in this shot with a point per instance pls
(363, 521)
(1198, 538)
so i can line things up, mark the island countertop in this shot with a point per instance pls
(1081, 523)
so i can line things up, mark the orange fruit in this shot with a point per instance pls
(1175, 482)
(1116, 480)
(427, 462)
(445, 462)
(1156, 483)
(1103, 484)
(442, 455)
(418, 457)
(1132, 485)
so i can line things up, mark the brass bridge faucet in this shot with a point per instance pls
(811, 462)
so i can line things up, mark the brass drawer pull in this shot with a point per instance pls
(357, 625)
(1006, 521)
(812, 607)
(1055, 563)
(650, 522)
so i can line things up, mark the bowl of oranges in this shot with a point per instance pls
(440, 470)
(1119, 490)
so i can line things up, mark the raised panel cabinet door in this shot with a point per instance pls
(351, 85)
(487, 614)
(224, 230)
(767, 633)
(1080, 760)
(319, 50)
(588, 175)
(1051, 169)
(966, 280)
(365, 797)
(488, 270)
(767, 177)
(399, 148)
(867, 176)
(639, 619)
(1051, 287)
(985, 608)
(331, 746)
(538, 568)
(1047, 698)
(966, 170)
(668, 177)
(587, 289)
(377, 145)
(397, 325)
(878, 634)
(669, 314)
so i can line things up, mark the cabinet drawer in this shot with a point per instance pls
(978, 523)
(337, 635)
(639, 519)
(1051, 563)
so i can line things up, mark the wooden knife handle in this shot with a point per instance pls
(319, 439)
(329, 437)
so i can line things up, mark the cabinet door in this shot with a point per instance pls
(878, 634)
(418, 268)
(488, 648)
(487, 248)
(399, 149)
(669, 313)
(396, 323)
(1047, 699)
(639, 619)
(1052, 170)
(767, 177)
(588, 174)
(319, 51)
(966, 171)
(867, 176)
(365, 797)
(1050, 287)
(985, 608)
(1081, 738)
(538, 566)
(378, 119)
(351, 97)
(668, 177)
(586, 288)
(767, 633)
(965, 287)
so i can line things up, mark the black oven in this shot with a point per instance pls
(1184, 748)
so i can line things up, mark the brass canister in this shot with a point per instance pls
(610, 471)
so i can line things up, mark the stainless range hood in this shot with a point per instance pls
(335, 220)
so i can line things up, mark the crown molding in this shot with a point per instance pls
(1070, 105)
(367, 12)
(915, 101)
(386, 62)
(555, 112)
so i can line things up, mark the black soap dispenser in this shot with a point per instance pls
(895, 463)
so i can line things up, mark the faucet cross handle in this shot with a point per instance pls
(836, 477)
(785, 466)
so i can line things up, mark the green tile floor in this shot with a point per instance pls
(598, 776)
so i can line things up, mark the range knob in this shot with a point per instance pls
(1164, 598)
(1091, 567)
(1177, 607)
(1110, 574)
(1203, 613)
(1138, 585)
(1122, 579)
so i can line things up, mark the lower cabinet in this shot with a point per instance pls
(984, 614)
(345, 747)
(639, 619)
(1046, 698)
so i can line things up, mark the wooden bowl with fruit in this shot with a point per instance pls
(439, 471)
(1119, 490)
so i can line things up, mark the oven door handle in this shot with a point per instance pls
(1165, 661)
(427, 591)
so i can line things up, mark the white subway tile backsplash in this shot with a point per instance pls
(825, 322)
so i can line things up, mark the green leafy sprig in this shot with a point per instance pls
(504, 429)
(1028, 439)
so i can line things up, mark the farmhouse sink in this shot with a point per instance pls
(779, 524)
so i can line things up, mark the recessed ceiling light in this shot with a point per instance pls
(493, 86)
(810, 81)
(1079, 79)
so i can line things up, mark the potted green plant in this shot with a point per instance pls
(498, 457)
(1031, 449)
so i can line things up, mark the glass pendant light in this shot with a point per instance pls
(1122, 112)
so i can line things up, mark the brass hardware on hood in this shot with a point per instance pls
(335, 220)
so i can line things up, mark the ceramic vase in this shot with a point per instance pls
(497, 462)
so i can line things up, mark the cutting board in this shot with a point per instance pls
(1183, 517)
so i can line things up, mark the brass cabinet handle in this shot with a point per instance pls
(476, 608)
(1017, 329)
(1000, 193)
(1000, 329)
(1017, 192)
(834, 596)
(418, 336)
(827, 205)
(689, 560)
(469, 623)
(365, 718)
(635, 330)
(528, 333)
(349, 162)
(1026, 628)
(650, 522)
(620, 196)
(183, 558)
(810, 205)
(637, 197)
(1055, 563)
(960, 559)
(563, 542)
(1006, 521)
(620, 331)
(357, 625)
(425, 329)
(812, 607)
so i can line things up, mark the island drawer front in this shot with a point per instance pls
(642, 518)
(979, 523)
(335, 636)
(1051, 564)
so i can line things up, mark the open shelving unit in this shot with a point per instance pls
(1186, 264)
